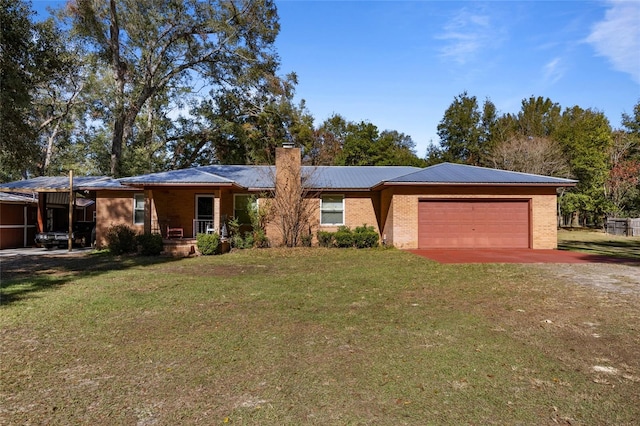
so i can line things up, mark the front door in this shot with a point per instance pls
(204, 214)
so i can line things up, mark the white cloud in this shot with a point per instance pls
(617, 37)
(553, 71)
(465, 35)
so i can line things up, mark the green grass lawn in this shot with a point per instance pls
(599, 243)
(314, 336)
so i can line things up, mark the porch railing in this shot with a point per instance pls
(202, 227)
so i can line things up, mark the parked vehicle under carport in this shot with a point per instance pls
(84, 235)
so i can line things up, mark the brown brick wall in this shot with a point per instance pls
(405, 210)
(113, 208)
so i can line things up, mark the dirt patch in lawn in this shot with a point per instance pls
(594, 309)
(215, 270)
(622, 279)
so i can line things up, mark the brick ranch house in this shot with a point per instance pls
(442, 206)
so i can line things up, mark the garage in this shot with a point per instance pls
(477, 223)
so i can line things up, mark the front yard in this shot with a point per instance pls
(314, 336)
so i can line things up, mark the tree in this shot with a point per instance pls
(537, 155)
(358, 144)
(327, 142)
(622, 187)
(465, 131)
(293, 202)
(632, 122)
(152, 46)
(538, 117)
(27, 59)
(342, 143)
(585, 137)
(623, 183)
(56, 103)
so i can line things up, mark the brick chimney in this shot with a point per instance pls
(288, 171)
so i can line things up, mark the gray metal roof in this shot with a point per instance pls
(352, 177)
(449, 173)
(262, 177)
(250, 177)
(18, 198)
(244, 176)
(182, 176)
(317, 177)
(54, 183)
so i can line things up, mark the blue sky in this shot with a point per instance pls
(399, 64)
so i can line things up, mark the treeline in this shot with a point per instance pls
(123, 88)
(543, 138)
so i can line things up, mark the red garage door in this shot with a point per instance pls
(473, 224)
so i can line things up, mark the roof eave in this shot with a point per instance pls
(345, 189)
(540, 184)
(179, 184)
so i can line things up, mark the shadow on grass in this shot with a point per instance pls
(628, 251)
(20, 276)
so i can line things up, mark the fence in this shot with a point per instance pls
(623, 226)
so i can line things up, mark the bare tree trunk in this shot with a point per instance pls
(49, 152)
(119, 70)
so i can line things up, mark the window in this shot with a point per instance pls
(332, 210)
(138, 209)
(241, 208)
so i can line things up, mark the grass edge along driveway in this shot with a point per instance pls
(317, 336)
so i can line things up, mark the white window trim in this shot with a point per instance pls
(321, 210)
(135, 209)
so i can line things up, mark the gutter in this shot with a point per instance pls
(501, 184)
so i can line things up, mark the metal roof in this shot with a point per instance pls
(316, 177)
(54, 183)
(18, 198)
(449, 173)
(244, 176)
(250, 177)
(352, 177)
(262, 177)
(182, 176)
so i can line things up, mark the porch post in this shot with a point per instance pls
(148, 197)
(42, 212)
(217, 223)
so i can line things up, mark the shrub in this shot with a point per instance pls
(260, 239)
(121, 239)
(236, 241)
(343, 237)
(325, 238)
(306, 240)
(365, 237)
(150, 244)
(248, 240)
(208, 244)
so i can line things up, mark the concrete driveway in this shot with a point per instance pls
(519, 256)
(38, 251)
